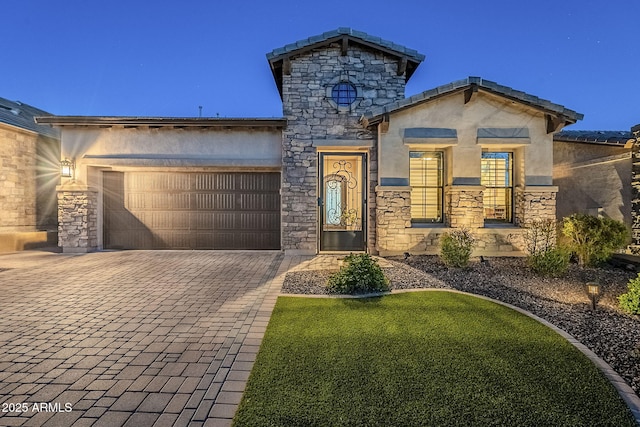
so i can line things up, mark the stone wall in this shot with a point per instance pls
(635, 192)
(396, 235)
(311, 117)
(77, 219)
(534, 204)
(28, 176)
(393, 217)
(17, 180)
(464, 207)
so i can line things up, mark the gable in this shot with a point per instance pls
(342, 38)
(556, 115)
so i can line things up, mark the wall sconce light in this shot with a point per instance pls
(67, 168)
(593, 290)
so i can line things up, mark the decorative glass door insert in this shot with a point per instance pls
(342, 201)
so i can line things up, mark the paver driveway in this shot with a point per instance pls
(136, 338)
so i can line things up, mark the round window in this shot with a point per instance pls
(344, 94)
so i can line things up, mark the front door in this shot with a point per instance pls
(342, 201)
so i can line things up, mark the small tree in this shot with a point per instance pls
(594, 239)
(456, 247)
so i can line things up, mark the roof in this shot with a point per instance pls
(20, 115)
(474, 83)
(354, 35)
(600, 137)
(346, 36)
(176, 122)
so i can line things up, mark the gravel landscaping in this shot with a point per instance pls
(611, 334)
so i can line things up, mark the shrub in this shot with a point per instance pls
(540, 235)
(359, 274)
(630, 302)
(456, 247)
(551, 262)
(545, 256)
(593, 239)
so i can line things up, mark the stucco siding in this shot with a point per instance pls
(463, 157)
(593, 179)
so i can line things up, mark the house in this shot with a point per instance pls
(353, 165)
(29, 157)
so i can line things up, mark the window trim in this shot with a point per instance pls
(343, 80)
(509, 188)
(439, 187)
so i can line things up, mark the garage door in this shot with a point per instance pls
(191, 210)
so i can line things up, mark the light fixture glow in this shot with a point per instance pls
(67, 168)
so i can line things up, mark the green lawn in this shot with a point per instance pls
(425, 358)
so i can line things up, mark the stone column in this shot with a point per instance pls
(77, 218)
(393, 215)
(534, 203)
(464, 206)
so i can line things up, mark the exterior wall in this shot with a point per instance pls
(593, 179)
(463, 207)
(77, 221)
(533, 154)
(168, 147)
(535, 203)
(534, 195)
(165, 149)
(396, 235)
(635, 191)
(28, 175)
(313, 123)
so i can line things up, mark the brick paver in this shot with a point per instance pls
(131, 338)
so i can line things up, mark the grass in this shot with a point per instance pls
(425, 358)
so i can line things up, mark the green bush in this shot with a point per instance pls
(550, 262)
(359, 274)
(594, 239)
(456, 247)
(630, 302)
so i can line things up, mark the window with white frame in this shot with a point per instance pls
(427, 181)
(497, 178)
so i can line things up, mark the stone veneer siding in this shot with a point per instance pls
(395, 234)
(635, 192)
(539, 204)
(17, 180)
(464, 207)
(77, 219)
(311, 117)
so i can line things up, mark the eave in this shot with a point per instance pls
(161, 122)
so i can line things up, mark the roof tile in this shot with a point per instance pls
(486, 84)
(292, 47)
(22, 115)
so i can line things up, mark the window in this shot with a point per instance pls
(426, 180)
(344, 94)
(497, 177)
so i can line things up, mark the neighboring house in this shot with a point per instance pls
(352, 166)
(29, 157)
(592, 170)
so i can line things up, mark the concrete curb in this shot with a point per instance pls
(624, 390)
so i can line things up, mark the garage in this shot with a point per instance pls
(191, 210)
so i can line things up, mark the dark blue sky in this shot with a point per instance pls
(166, 58)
